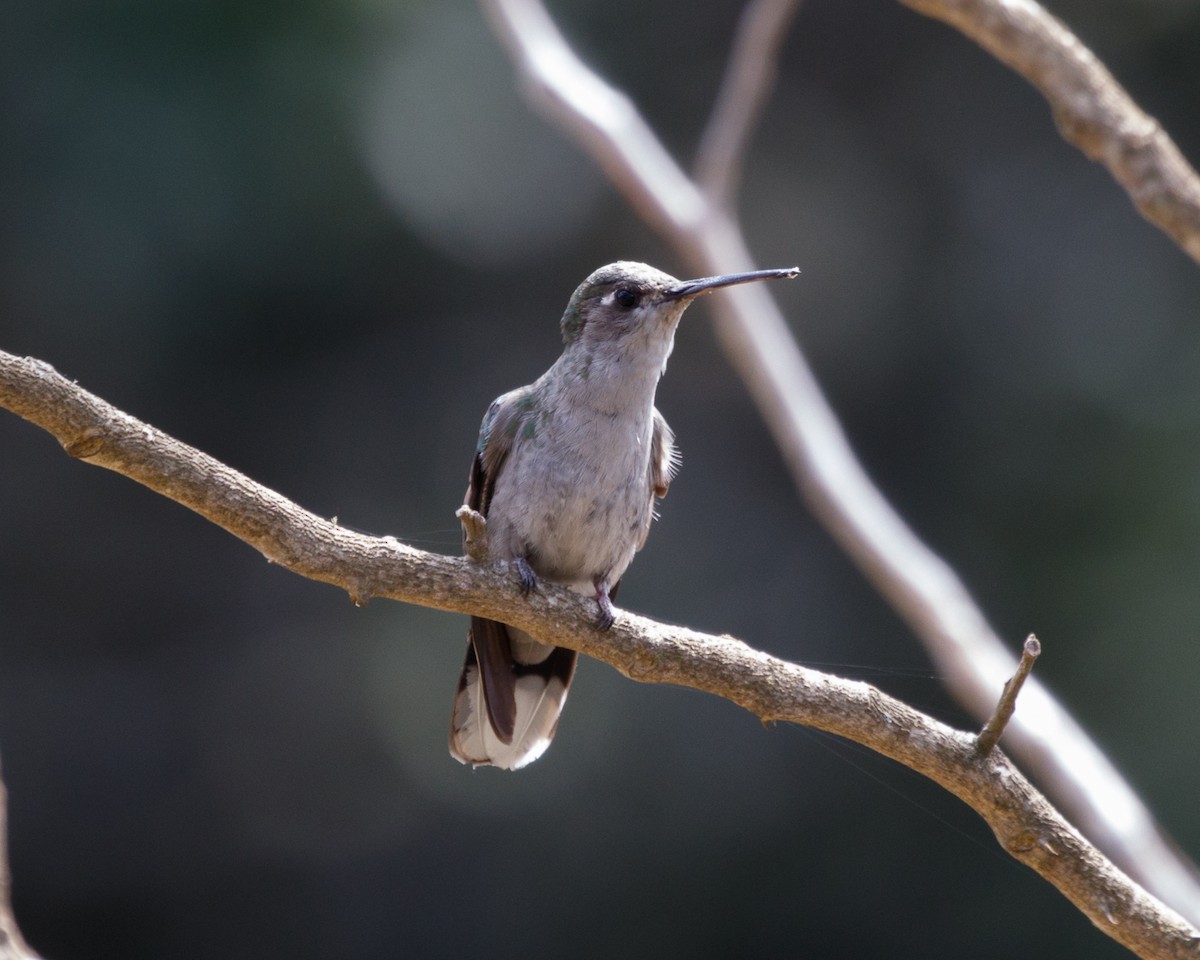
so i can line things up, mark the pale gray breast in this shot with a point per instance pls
(578, 494)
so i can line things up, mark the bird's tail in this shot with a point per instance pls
(509, 697)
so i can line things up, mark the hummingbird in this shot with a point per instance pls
(567, 472)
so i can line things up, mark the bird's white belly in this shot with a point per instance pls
(575, 514)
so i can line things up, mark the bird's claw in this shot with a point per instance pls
(528, 577)
(606, 617)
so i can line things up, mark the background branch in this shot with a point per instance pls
(748, 82)
(1025, 824)
(918, 583)
(1091, 109)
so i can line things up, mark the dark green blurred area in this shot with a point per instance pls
(316, 240)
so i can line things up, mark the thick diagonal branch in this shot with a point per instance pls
(1025, 824)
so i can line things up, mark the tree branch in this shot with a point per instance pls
(1025, 824)
(921, 587)
(993, 730)
(1091, 109)
(744, 92)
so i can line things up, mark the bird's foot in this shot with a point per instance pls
(528, 577)
(607, 617)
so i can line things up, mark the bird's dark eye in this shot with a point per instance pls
(626, 299)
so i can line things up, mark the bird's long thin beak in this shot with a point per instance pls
(693, 288)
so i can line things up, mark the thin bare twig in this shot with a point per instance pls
(1025, 824)
(596, 114)
(915, 580)
(748, 82)
(993, 730)
(1092, 110)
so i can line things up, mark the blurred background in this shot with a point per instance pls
(316, 239)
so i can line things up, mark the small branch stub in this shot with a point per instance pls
(994, 728)
(474, 526)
